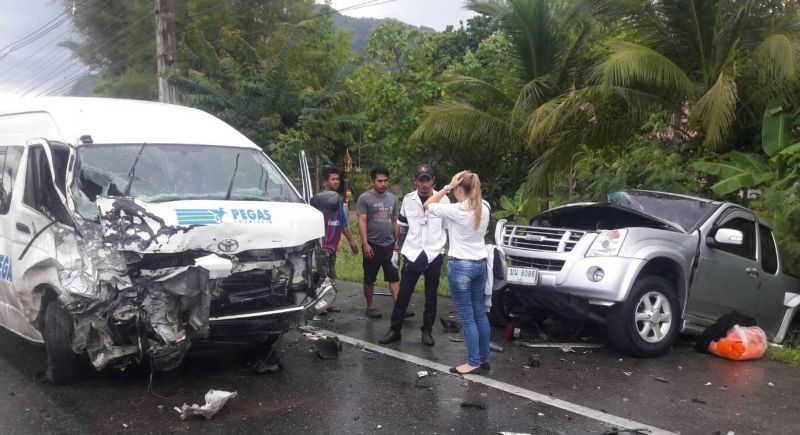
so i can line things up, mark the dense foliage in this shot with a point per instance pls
(569, 99)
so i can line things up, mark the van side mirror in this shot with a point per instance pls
(726, 236)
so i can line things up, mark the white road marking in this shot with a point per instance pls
(604, 417)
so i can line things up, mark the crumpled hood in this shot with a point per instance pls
(223, 227)
(592, 216)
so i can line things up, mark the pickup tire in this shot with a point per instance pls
(63, 364)
(646, 324)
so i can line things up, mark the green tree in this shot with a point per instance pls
(119, 36)
(509, 119)
(394, 80)
(718, 61)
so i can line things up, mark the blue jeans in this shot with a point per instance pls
(467, 279)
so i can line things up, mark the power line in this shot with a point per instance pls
(65, 83)
(46, 28)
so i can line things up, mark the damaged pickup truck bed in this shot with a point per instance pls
(649, 265)
(132, 231)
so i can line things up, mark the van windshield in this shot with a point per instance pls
(169, 172)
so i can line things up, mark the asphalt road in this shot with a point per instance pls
(585, 391)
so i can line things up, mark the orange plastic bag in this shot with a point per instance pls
(741, 343)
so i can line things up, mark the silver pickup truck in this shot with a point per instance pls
(649, 265)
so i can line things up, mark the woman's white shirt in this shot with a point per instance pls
(466, 242)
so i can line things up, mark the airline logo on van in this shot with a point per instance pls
(204, 216)
(5, 268)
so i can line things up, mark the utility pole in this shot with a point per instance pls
(165, 49)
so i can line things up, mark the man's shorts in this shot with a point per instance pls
(326, 263)
(381, 258)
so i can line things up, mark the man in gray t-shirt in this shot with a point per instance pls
(377, 225)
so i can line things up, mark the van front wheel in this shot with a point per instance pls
(646, 324)
(64, 365)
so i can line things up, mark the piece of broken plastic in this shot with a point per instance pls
(215, 400)
(328, 348)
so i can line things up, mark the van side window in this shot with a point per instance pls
(769, 253)
(9, 164)
(40, 192)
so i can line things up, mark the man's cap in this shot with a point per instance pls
(422, 171)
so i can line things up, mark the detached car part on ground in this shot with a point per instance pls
(134, 231)
(647, 264)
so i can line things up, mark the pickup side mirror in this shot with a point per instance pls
(726, 236)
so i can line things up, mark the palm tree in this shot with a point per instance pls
(515, 124)
(718, 60)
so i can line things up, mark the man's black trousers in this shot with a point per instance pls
(408, 280)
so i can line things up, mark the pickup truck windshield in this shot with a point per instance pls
(688, 213)
(159, 173)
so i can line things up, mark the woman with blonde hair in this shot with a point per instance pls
(466, 269)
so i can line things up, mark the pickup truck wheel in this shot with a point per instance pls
(646, 324)
(64, 365)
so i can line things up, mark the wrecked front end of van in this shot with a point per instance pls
(149, 272)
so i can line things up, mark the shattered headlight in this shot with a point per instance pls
(607, 243)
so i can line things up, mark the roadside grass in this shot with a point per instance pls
(790, 352)
(348, 266)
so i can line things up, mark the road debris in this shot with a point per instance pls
(496, 348)
(534, 361)
(475, 403)
(455, 339)
(322, 318)
(770, 384)
(215, 400)
(422, 373)
(571, 346)
(368, 354)
(707, 384)
(696, 400)
(627, 373)
(328, 347)
(567, 349)
(450, 326)
(660, 379)
(513, 433)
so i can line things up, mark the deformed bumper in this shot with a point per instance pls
(257, 325)
(573, 279)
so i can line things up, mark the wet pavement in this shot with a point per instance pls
(364, 392)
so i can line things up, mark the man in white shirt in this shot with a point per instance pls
(421, 243)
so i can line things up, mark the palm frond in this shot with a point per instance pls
(716, 109)
(552, 115)
(777, 56)
(631, 65)
(531, 97)
(461, 123)
(477, 89)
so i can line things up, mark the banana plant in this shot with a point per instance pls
(777, 166)
(513, 207)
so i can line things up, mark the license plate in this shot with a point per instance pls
(523, 275)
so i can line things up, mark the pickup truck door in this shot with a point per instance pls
(728, 275)
(771, 291)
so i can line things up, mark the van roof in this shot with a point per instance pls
(114, 121)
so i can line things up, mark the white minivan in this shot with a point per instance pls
(131, 230)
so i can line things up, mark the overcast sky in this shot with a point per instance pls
(43, 67)
(436, 14)
(42, 63)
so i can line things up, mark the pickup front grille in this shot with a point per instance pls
(541, 239)
(536, 263)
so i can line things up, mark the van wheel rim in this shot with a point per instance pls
(653, 317)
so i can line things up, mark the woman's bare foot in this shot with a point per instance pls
(466, 368)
